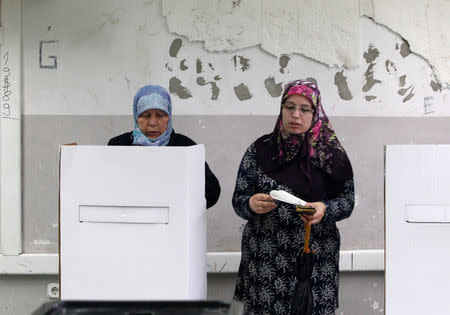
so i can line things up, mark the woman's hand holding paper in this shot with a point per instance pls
(261, 203)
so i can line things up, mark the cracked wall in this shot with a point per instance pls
(130, 44)
(295, 27)
(327, 33)
(424, 24)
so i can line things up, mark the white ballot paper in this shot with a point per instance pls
(284, 196)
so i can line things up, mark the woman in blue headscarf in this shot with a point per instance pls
(152, 111)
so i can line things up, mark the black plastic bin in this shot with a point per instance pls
(133, 308)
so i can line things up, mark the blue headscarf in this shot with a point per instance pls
(151, 97)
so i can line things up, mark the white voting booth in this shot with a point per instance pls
(132, 223)
(417, 229)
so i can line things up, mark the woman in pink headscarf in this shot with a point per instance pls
(303, 157)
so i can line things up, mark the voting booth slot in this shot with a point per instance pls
(132, 223)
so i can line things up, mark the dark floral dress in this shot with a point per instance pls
(271, 242)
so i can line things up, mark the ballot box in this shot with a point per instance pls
(417, 229)
(132, 223)
(133, 308)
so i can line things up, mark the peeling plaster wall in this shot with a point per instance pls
(279, 29)
(226, 25)
(424, 24)
(320, 31)
(123, 46)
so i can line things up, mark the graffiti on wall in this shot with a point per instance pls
(54, 63)
(7, 88)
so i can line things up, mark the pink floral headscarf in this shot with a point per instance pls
(319, 145)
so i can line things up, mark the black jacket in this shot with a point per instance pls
(212, 186)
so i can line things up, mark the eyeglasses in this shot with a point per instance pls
(303, 109)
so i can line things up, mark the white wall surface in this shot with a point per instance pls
(323, 32)
(424, 24)
(99, 63)
(10, 128)
(317, 29)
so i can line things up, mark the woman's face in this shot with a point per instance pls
(296, 114)
(153, 122)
